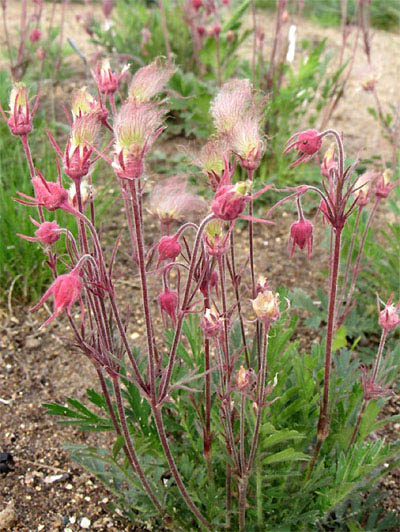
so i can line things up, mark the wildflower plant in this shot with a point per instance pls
(220, 422)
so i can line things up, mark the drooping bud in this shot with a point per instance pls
(66, 289)
(266, 306)
(168, 248)
(215, 239)
(48, 233)
(35, 35)
(168, 301)
(301, 234)
(307, 144)
(389, 317)
(230, 200)
(212, 324)
(149, 80)
(50, 195)
(364, 187)
(197, 4)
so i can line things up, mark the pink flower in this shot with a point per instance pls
(66, 289)
(48, 233)
(373, 390)
(389, 317)
(48, 194)
(212, 324)
(230, 200)
(20, 117)
(107, 7)
(383, 184)
(197, 4)
(168, 248)
(215, 239)
(168, 301)
(107, 80)
(301, 234)
(307, 144)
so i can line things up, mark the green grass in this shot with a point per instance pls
(385, 14)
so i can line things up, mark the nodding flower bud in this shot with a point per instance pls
(307, 144)
(301, 234)
(107, 81)
(216, 30)
(266, 307)
(197, 4)
(212, 324)
(168, 301)
(48, 233)
(136, 128)
(329, 163)
(215, 239)
(149, 80)
(201, 30)
(168, 248)
(383, 184)
(66, 289)
(244, 379)
(230, 36)
(20, 117)
(389, 317)
(230, 200)
(35, 35)
(210, 280)
(49, 195)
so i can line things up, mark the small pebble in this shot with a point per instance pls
(85, 522)
(68, 486)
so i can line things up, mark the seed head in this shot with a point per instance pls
(244, 379)
(77, 153)
(149, 80)
(246, 141)
(136, 128)
(170, 201)
(82, 103)
(231, 104)
(384, 185)
(20, 117)
(372, 389)
(212, 160)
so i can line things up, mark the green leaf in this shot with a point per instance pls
(339, 340)
(281, 436)
(119, 443)
(287, 455)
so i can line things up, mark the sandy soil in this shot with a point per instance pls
(39, 367)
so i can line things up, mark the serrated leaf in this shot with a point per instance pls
(119, 443)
